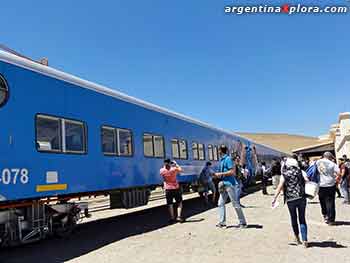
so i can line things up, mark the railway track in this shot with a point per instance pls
(101, 203)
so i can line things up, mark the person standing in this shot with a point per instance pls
(275, 173)
(262, 171)
(328, 171)
(239, 177)
(227, 189)
(344, 180)
(292, 182)
(172, 188)
(206, 180)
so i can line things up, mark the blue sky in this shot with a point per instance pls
(256, 73)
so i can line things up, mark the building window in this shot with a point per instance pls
(201, 153)
(60, 135)
(153, 145)
(4, 91)
(195, 151)
(179, 149)
(210, 152)
(74, 136)
(116, 141)
(48, 134)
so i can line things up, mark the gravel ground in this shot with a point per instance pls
(145, 236)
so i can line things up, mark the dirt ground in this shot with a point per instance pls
(145, 236)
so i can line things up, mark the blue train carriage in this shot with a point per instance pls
(63, 137)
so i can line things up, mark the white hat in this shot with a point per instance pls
(292, 162)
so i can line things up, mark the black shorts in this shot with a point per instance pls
(172, 194)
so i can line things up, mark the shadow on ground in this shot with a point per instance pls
(341, 223)
(326, 244)
(94, 235)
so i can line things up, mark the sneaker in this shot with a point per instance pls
(181, 219)
(297, 240)
(306, 244)
(221, 225)
(241, 226)
(332, 223)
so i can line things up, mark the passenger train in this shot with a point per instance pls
(63, 137)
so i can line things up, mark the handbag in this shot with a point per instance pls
(311, 189)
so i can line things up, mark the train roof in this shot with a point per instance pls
(51, 72)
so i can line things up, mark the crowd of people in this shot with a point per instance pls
(291, 176)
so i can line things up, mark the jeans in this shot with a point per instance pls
(238, 190)
(299, 206)
(344, 187)
(230, 191)
(327, 201)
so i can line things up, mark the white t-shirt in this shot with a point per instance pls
(328, 171)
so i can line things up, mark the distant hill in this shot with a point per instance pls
(280, 141)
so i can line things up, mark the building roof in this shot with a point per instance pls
(322, 146)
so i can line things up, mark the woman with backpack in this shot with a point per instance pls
(292, 182)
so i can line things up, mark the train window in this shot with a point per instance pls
(108, 139)
(74, 136)
(48, 134)
(175, 148)
(216, 158)
(124, 142)
(195, 151)
(148, 145)
(201, 153)
(183, 149)
(210, 152)
(4, 92)
(158, 146)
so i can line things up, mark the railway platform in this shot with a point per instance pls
(144, 235)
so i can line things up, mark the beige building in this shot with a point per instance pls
(340, 133)
(337, 141)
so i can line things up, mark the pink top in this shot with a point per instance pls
(170, 178)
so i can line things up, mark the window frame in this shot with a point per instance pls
(203, 148)
(114, 137)
(143, 145)
(62, 134)
(178, 147)
(116, 141)
(210, 150)
(196, 159)
(49, 117)
(6, 89)
(186, 145)
(215, 153)
(64, 145)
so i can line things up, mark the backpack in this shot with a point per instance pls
(312, 173)
(203, 180)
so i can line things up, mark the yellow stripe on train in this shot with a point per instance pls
(51, 187)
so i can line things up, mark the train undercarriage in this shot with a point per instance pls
(28, 222)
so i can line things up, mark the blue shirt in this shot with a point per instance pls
(226, 164)
(206, 173)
